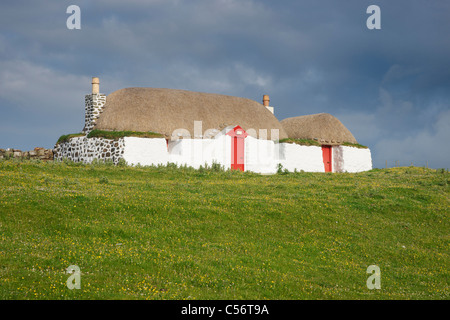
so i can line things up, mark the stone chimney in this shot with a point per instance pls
(266, 101)
(94, 104)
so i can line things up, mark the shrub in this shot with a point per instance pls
(279, 168)
(217, 167)
(121, 163)
(103, 180)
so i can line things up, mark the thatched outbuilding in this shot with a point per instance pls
(322, 127)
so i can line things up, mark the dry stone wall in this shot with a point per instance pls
(37, 153)
(83, 149)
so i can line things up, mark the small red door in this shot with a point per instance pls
(326, 154)
(238, 156)
(237, 147)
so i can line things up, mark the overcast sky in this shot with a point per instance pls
(390, 87)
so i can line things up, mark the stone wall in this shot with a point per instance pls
(37, 153)
(87, 149)
(94, 104)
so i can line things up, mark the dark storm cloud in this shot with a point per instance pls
(388, 86)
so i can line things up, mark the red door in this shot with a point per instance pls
(326, 154)
(237, 147)
(237, 161)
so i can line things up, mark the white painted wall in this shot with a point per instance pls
(310, 158)
(145, 151)
(260, 155)
(306, 158)
(197, 152)
(355, 159)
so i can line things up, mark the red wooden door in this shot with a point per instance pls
(326, 154)
(238, 154)
(238, 136)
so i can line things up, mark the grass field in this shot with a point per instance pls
(167, 233)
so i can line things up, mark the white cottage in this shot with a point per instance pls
(150, 126)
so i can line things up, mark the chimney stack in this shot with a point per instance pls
(95, 85)
(94, 104)
(266, 101)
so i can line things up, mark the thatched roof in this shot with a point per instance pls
(322, 127)
(165, 110)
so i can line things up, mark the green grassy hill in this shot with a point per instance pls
(167, 233)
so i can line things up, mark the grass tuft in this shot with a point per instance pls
(355, 145)
(67, 137)
(115, 135)
(302, 142)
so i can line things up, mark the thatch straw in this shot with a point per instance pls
(165, 110)
(322, 127)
